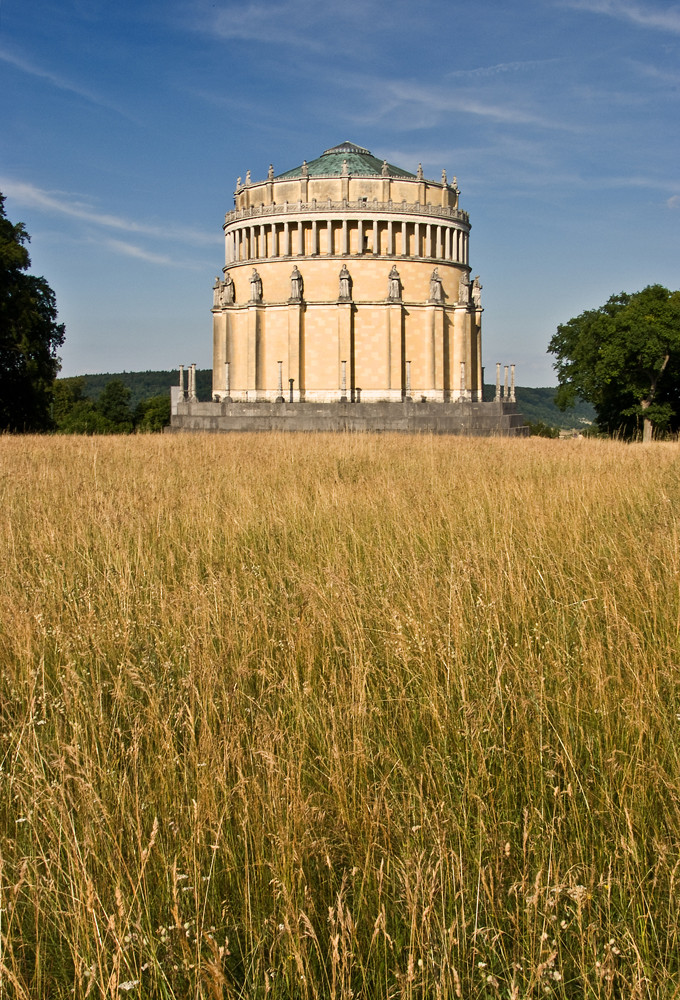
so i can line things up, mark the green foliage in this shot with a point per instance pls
(541, 429)
(153, 414)
(624, 358)
(75, 413)
(29, 335)
(538, 405)
(114, 406)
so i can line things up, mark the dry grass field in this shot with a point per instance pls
(371, 717)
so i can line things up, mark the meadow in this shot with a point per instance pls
(339, 716)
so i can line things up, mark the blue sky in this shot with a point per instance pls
(125, 126)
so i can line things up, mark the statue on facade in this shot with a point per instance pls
(345, 284)
(464, 289)
(385, 169)
(217, 291)
(394, 286)
(420, 174)
(270, 172)
(227, 295)
(247, 177)
(477, 292)
(436, 289)
(295, 285)
(255, 287)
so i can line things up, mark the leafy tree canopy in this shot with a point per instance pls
(624, 358)
(29, 335)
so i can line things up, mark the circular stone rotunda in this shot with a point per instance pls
(346, 285)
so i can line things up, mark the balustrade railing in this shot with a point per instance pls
(363, 207)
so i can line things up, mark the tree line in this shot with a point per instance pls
(73, 412)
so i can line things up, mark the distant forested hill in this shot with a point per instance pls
(144, 385)
(535, 404)
(539, 405)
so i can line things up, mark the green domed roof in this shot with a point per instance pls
(360, 162)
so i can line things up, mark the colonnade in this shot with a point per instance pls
(344, 237)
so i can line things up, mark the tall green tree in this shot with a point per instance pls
(29, 335)
(624, 359)
(114, 405)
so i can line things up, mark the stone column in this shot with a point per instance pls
(286, 239)
(390, 238)
(252, 243)
(463, 386)
(262, 242)
(512, 384)
(301, 239)
(315, 237)
(438, 231)
(434, 388)
(416, 240)
(404, 240)
(376, 239)
(394, 344)
(227, 383)
(279, 386)
(343, 381)
(506, 394)
(497, 397)
(428, 240)
(296, 347)
(447, 242)
(345, 241)
(345, 311)
(182, 391)
(253, 364)
(329, 237)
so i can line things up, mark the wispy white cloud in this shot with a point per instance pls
(139, 253)
(35, 197)
(498, 69)
(287, 22)
(644, 15)
(56, 80)
(312, 25)
(422, 106)
(674, 202)
(656, 73)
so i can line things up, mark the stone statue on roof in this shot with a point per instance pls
(345, 292)
(227, 294)
(255, 287)
(436, 288)
(394, 285)
(295, 285)
(477, 292)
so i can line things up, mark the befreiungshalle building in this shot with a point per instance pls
(346, 281)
